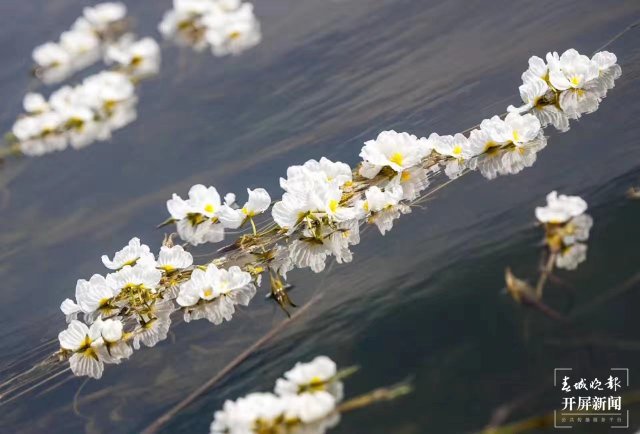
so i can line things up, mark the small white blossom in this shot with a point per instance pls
(560, 209)
(174, 258)
(131, 254)
(572, 256)
(399, 151)
(138, 58)
(213, 293)
(515, 128)
(142, 275)
(577, 229)
(314, 376)
(572, 71)
(232, 32)
(102, 15)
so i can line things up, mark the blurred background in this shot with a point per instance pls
(424, 301)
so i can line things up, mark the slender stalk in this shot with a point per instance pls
(548, 268)
(377, 395)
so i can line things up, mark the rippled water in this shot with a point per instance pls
(425, 300)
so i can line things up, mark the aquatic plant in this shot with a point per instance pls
(566, 228)
(226, 27)
(79, 115)
(82, 45)
(306, 400)
(318, 217)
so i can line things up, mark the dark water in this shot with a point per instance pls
(425, 300)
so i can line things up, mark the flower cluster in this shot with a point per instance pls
(203, 217)
(133, 303)
(76, 115)
(225, 26)
(318, 217)
(79, 115)
(567, 229)
(566, 86)
(82, 45)
(305, 401)
(138, 58)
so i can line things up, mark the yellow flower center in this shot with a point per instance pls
(333, 205)
(516, 136)
(457, 150)
(575, 80)
(209, 208)
(234, 35)
(248, 213)
(397, 158)
(405, 176)
(365, 206)
(208, 292)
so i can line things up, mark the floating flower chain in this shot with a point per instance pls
(90, 111)
(224, 26)
(318, 216)
(82, 45)
(306, 400)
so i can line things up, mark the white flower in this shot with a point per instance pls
(314, 376)
(232, 32)
(571, 256)
(413, 181)
(577, 229)
(458, 146)
(70, 309)
(309, 407)
(106, 90)
(93, 295)
(198, 216)
(219, 290)
(242, 415)
(560, 209)
(258, 202)
(54, 61)
(537, 70)
(200, 233)
(35, 103)
(377, 199)
(143, 275)
(204, 200)
(174, 258)
(572, 71)
(140, 57)
(84, 343)
(301, 178)
(604, 60)
(83, 47)
(113, 348)
(103, 15)
(515, 128)
(156, 329)
(131, 254)
(531, 92)
(400, 151)
(551, 115)
(309, 252)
